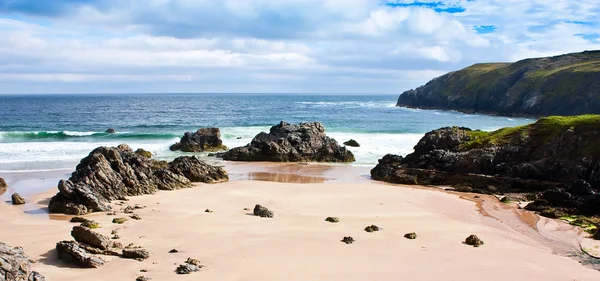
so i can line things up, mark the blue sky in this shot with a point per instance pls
(274, 46)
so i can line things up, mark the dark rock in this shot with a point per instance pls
(90, 224)
(110, 131)
(332, 219)
(116, 236)
(3, 184)
(208, 211)
(92, 238)
(128, 210)
(262, 212)
(72, 252)
(144, 153)
(597, 234)
(113, 173)
(197, 170)
(410, 235)
(352, 143)
(172, 251)
(581, 188)
(474, 241)
(16, 265)
(119, 220)
(285, 142)
(371, 228)
(136, 253)
(186, 269)
(348, 239)
(216, 154)
(192, 261)
(17, 199)
(78, 219)
(205, 139)
(143, 278)
(136, 217)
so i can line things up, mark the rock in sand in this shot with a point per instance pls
(17, 199)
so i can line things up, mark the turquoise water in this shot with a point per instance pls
(45, 132)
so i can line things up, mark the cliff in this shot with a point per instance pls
(561, 85)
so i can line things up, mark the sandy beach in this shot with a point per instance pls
(299, 245)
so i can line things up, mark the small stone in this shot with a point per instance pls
(332, 219)
(173, 251)
(111, 213)
(193, 262)
(262, 212)
(348, 239)
(371, 228)
(78, 219)
(136, 217)
(128, 210)
(474, 241)
(116, 236)
(246, 209)
(119, 220)
(90, 224)
(410, 235)
(143, 270)
(110, 131)
(142, 278)
(135, 252)
(114, 231)
(208, 211)
(186, 269)
(17, 199)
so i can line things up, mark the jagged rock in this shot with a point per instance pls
(90, 237)
(262, 212)
(136, 253)
(205, 139)
(110, 131)
(332, 219)
(17, 199)
(192, 261)
(190, 265)
(474, 241)
(371, 228)
(16, 265)
(348, 239)
(72, 252)
(410, 235)
(143, 152)
(197, 170)
(292, 143)
(113, 173)
(352, 143)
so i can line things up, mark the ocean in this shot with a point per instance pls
(53, 132)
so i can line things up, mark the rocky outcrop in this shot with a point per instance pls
(92, 238)
(197, 171)
(111, 173)
(352, 143)
(205, 139)
(3, 184)
(286, 142)
(72, 252)
(17, 199)
(110, 131)
(561, 85)
(16, 265)
(557, 157)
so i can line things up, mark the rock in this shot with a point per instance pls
(78, 219)
(110, 131)
(172, 251)
(115, 237)
(136, 253)
(193, 262)
(90, 224)
(144, 153)
(352, 143)
(92, 238)
(597, 233)
(3, 184)
(186, 269)
(285, 142)
(208, 211)
(410, 235)
(474, 241)
(205, 139)
(17, 199)
(371, 228)
(72, 252)
(197, 170)
(332, 219)
(16, 265)
(136, 217)
(142, 278)
(119, 220)
(348, 239)
(128, 210)
(216, 154)
(113, 173)
(262, 212)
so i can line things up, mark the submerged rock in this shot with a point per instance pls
(262, 212)
(72, 252)
(286, 142)
(16, 265)
(17, 199)
(113, 173)
(352, 143)
(474, 241)
(205, 139)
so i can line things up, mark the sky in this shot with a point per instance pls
(274, 46)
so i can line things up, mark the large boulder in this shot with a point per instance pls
(197, 170)
(286, 142)
(16, 265)
(3, 184)
(92, 238)
(73, 252)
(205, 139)
(111, 173)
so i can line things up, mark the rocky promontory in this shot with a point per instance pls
(561, 85)
(205, 139)
(286, 142)
(556, 158)
(111, 173)
(16, 265)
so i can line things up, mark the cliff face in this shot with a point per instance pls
(561, 85)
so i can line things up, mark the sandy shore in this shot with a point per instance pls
(299, 245)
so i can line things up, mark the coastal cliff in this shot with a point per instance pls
(561, 85)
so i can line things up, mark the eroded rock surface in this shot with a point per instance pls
(15, 265)
(205, 139)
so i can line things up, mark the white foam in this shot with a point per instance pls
(349, 104)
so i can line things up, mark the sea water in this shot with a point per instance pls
(53, 132)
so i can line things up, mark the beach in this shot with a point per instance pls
(298, 244)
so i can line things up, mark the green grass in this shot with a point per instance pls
(588, 224)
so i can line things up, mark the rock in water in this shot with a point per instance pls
(205, 139)
(16, 265)
(262, 212)
(17, 199)
(110, 131)
(112, 173)
(143, 152)
(197, 170)
(285, 142)
(352, 143)
(474, 241)
(72, 252)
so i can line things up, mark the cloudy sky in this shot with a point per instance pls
(274, 46)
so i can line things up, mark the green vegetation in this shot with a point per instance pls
(119, 220)
(90, 224)
(588, 224)
(144, 153)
